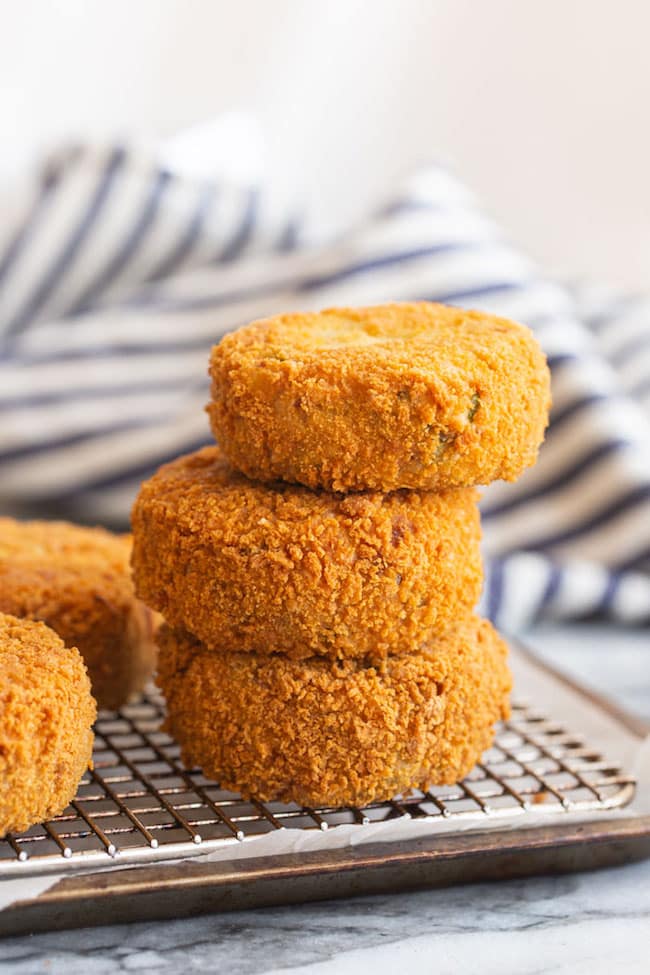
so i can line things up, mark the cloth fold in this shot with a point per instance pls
(118, 273)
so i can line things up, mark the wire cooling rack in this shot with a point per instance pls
(140, 804)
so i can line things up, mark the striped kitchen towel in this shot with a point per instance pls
(117, 274)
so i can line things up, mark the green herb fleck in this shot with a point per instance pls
(444, 438)
(476, 402)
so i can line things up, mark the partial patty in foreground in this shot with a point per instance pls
(321, 732)
(381, 398)
(78, 581)
(278, 568)
(46, 717)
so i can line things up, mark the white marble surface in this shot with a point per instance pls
(587, 923)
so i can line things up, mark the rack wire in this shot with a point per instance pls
(140, 804)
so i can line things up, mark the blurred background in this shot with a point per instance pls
(541, 106)
(235, 161)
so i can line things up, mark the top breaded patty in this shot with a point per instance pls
(392, 396)
(78, 581)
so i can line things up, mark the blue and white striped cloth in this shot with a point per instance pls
(117, 275)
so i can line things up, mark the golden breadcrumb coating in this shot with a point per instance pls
(395, 396)
(281, 569)
(46, 717)
(334, 733)
(78, 581)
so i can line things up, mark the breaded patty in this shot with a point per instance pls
(395, 396)
(46, 717)
(278, 568)
(333, 733)
(78, 581)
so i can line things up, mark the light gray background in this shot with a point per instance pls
(542, 105)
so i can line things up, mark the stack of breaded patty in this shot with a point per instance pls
(318, 570)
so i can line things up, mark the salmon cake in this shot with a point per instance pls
(419, 396)
(322, 732)
(77, 580)
(46, 718)
(247, 566)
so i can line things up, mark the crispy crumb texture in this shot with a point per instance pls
(77, 580)
(282, 569)
(392, 396)
(320, 732)
(46, 717)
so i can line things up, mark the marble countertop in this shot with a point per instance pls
(583, 923)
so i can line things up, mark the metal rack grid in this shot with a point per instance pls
(140, 804)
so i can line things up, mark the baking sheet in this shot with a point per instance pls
(551, 696)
